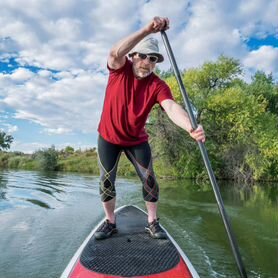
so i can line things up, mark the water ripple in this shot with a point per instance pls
(45, 190)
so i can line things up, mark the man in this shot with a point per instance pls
(132, 90)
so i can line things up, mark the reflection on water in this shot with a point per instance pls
(191, 208)
(44, 217)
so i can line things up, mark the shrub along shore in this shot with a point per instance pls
(240, 120)
(66, 160)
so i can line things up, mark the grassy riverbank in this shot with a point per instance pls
(70, 160)
(67, 161)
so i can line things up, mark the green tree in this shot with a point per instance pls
(47, 159)
(263, 86)
(5, 140)
(172, 144)
(212, 77)
(240, 120)
(234, 122)
(69, 150)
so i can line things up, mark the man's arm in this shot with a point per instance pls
(180, 117)
(116, 58)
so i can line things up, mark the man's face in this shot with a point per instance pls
(143, 65)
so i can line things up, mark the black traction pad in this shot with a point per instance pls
(130, 252)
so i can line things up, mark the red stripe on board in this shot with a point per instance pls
(179, 271)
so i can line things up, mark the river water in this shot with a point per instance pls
(44, 217)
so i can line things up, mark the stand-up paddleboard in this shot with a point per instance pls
(129, 253)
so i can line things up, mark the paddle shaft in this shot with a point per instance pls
(203, 150)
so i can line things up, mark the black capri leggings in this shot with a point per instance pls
(139, 155)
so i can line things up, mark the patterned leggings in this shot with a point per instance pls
(139, 155)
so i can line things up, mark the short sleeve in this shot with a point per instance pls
(164, 92)
(120, 70)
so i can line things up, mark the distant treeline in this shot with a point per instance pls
(240, 120)
(68, 160)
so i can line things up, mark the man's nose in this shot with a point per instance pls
(147, 61)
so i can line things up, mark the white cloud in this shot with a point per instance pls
(73, 103)
(68, 35)
(68, 41)
(45, 73)
(63, 35)
(177, 12)
(59, 130)
(7, 46)
(265, 58)
(212, 28)
(21, 75)
(28, 147)
(31, 147)
(257, 17)
(10, 129)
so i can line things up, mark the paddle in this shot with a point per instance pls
(203, 150)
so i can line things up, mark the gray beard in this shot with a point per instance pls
(135, 72)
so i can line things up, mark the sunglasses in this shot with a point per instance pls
(152, 58)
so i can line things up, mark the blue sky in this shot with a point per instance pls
(53, 56)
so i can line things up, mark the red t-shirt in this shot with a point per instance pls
(127, 104)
